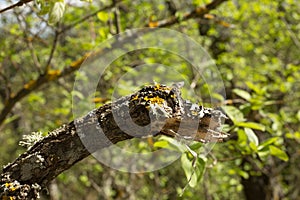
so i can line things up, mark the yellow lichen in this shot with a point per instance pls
(157, 86)
(13, 189)
(53, 74)
(7, 185)
(154, 100)
(99, 100)
(153, 24)
(30, 84)
(77, 63)
(135, 98)
(201, 10)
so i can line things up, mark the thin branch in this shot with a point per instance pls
(54, 44)
(89, 16)
(20, 3)
(117, 17)
(197, 12)
(27, 40)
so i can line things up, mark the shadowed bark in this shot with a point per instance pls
(154, 110)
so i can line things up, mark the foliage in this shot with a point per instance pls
(255, 45)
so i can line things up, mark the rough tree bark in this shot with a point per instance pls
(158, 108)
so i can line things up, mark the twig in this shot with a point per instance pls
(89, 16)
(54, 44)
(20, 3)
(197, 12)
(27, 40)
(117, 17)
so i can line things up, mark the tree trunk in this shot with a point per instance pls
(152, 111)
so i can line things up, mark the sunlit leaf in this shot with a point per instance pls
(173, 144)
(251, 136)
(275, 151)
(242, 93)
(193, 175)
(267, 142)
(233, 113)
(188, 170)
(56, 12)
(103, 16)
(252, 125)
(161, 144)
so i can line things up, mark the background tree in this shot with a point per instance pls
(255, 45)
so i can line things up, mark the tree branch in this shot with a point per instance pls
(158, 108)
(197, 12)
(20, 3)
(112, 5)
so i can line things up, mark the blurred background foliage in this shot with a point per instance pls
(256, 47)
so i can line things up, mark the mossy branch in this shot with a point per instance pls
(158, 109)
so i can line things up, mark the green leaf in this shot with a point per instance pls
(200, 167)
(242, 93)
(263, 153)
(267, 143)
(275, 151)
(192, 174)
(103, 16)
(85, 180)
(255, 87)
(251, 136)
(56, 12)
(173, 144)
(186, 164)
(253, 146)
(45, 7)
(217, 96)
(161, 144)
(196, 145)
(102, 32)
(252, 125)
(10, 119)
(233, 113)
(242, 173)
(242, 137)
(77, 94)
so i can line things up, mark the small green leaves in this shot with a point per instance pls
(268, 142)
(161, 144)
(233, 113)
(252, 125)
(55, 9)
(275, 151)
(103, 16)
(251, 136)
(269, 147)
(242, 93)
(169, 143)
(56, 12)
(193, 174)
